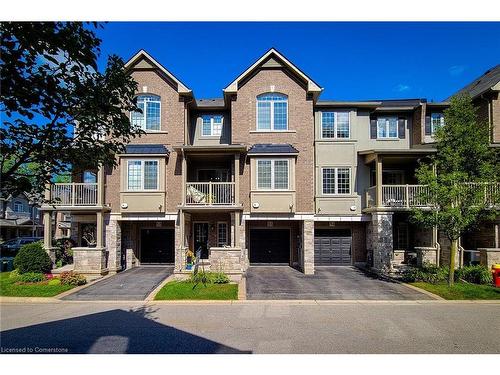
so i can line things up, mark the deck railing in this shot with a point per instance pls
(73, 194)
(210, 193)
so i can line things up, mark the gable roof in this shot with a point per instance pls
(134, 60)
(486, 82)
(275, 58)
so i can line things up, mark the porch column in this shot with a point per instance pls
(308, 247)
(100, 186)
(47, 235)
(180, 239)
(99, 230)
(497, 239)
(381, 240)
(184, 178)
(237, 229)
(237, 179)
(233, 228)
(378, 182)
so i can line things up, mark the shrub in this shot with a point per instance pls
(64, 253)
(72, 278)
(32, 258)
(428, 273)
(220, 278)
(475, 274)
(14, 275)
(31, 277)
(201, 277)
(54, 282)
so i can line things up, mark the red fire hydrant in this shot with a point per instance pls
(495, 270)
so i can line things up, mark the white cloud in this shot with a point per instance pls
(402, 88)
(456, 70)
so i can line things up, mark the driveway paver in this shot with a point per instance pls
(130, 285)
(328, 283)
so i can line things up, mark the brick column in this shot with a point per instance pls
(241, 241)
(179, 241)
(308, 247)
(380, 235)
(113, 243)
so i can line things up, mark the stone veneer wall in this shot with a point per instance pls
(308, 247)
(379, 239)
(113, 241)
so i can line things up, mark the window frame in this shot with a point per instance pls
(17, 203)
(144, 113)
(387, 127)
(335, 134)
(335, 181)
(271, 128)
(227, 234)
(272, 188)
(441, 116)
(142, 189)
(212, 122)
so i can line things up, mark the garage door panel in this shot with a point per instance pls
(269, 246)
(332, 249)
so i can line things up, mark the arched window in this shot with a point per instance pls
(150, 117)
(272, 112)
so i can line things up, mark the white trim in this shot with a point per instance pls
(271, 129)
(227, 234)
(335, 135)
(212, 125)
(127, 189)
(335, 187)
(181, 88)
(166, 217)
(311, 86)
(441, 114)
(343, 218)
(387, 128)
(272, 188)
(144, 112)
(250, 217)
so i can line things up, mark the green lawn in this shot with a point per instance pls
(461, 290)
(176, 290)
(9, 288)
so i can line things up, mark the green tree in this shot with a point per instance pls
(58, 110)
(459, 176)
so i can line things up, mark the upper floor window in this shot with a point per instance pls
(212, 125)
(272, 112)
(335, 125)
(387, 127)
(336, 180)
(89, 177)
(149, 119)
(272, 174)
(142, 175)
(437, 121)
(18, 206)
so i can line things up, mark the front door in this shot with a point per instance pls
(201, 239)
(157, 245)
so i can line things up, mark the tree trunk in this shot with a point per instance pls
(453, 253)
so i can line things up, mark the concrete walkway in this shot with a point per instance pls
(131, 285)
(328, 283)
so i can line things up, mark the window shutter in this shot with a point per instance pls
(373, 128)
(401, 128)
(427, 125)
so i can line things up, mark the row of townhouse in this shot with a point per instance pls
(267, 174)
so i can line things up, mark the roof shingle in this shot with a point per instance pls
(272, 148)
(147, 149)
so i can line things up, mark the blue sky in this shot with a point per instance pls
(352, 61)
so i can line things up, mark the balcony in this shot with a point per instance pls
(401, 197)
(210, 194)
(74, 194)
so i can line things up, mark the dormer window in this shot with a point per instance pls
(18, 206)
(272, 112)
(211, 125)
(150, 117)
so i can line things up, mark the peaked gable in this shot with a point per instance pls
(142, 60)
(274, 59)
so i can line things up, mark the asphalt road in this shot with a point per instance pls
(251, 327)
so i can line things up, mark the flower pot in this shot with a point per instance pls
(189, 266)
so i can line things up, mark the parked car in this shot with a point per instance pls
(11, 247)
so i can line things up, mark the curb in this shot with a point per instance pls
(151, 296)
(435, 296)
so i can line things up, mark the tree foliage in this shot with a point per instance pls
(460, 175)
(58, 110)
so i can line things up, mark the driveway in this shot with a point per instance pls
(332, 283)
(130, 285)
